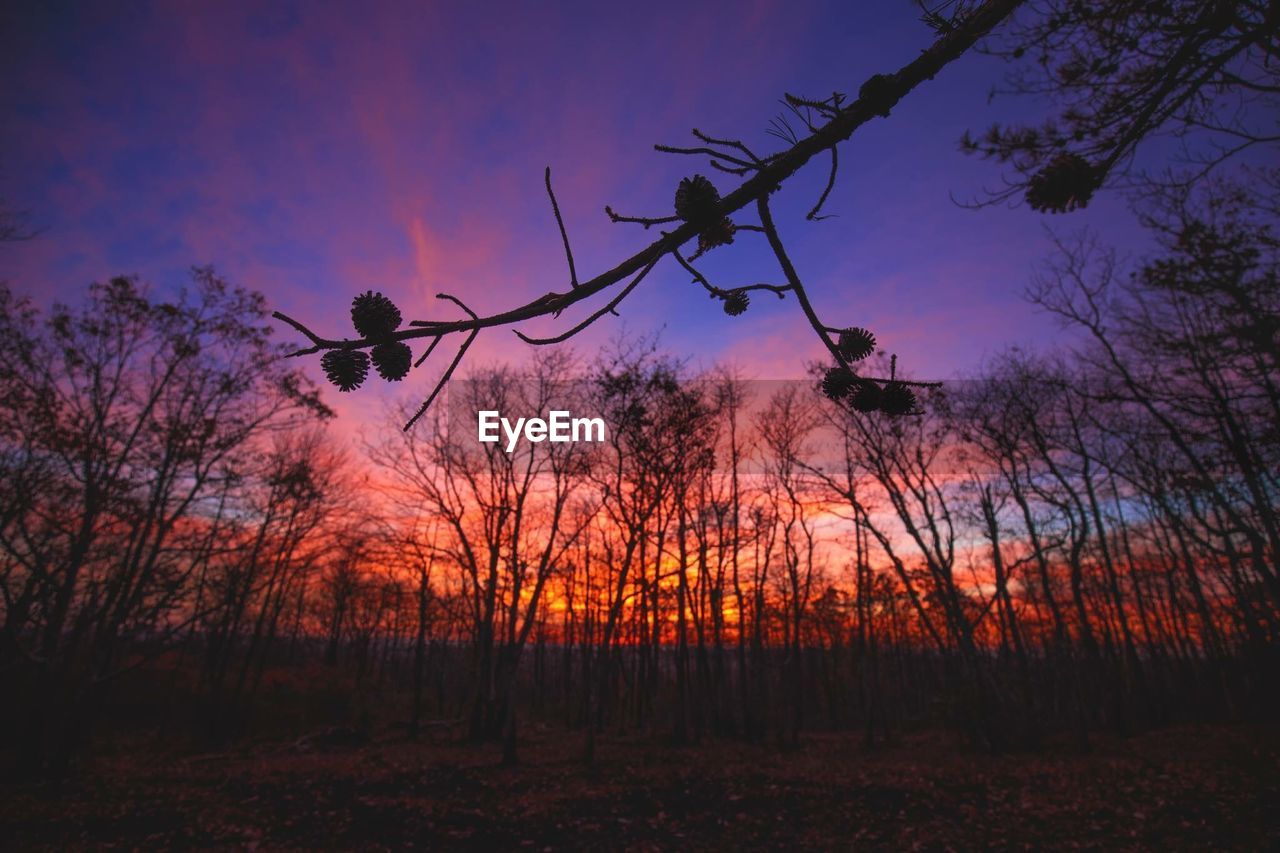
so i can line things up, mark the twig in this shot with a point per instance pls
(730, 144)
(727, 143)
(427, 353)
(813, 216)
(641, 220)
(456, 301)
(828, 107)
(710, 152)
(319, 342)
(564, 235)
(453, 365)
(789, 270)
(608, 309)
(780, 290)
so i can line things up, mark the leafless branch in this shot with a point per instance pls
(813, 215)
(613, 303)
(780, 290)
(564, 235)
(767, 176)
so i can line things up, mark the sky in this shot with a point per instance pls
(314, 150)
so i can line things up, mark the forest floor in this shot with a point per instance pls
(1180, 788)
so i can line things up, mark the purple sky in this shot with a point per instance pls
(314, 150)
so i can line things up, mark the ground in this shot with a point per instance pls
(1182, 788)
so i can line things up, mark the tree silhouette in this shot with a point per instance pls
(1119, 73)
(123, 420)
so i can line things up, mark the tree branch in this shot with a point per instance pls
(873, 100)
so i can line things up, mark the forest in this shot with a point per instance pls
(1064, 549)
(1062, 544)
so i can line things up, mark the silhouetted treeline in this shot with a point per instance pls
(154, 482)
(1063, 542)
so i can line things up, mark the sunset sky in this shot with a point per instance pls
(315, 150)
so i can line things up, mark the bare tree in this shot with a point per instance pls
(505, 522)
(1119, 73)
(130, 413)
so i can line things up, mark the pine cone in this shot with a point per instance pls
(696, 199)
(392, 359)
(736, 302)
(345, 368)
(837, 382)
(865, 397)
(720, 234)
(897, 399)
(1066, 184)
(856, 343)
(374, 315)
